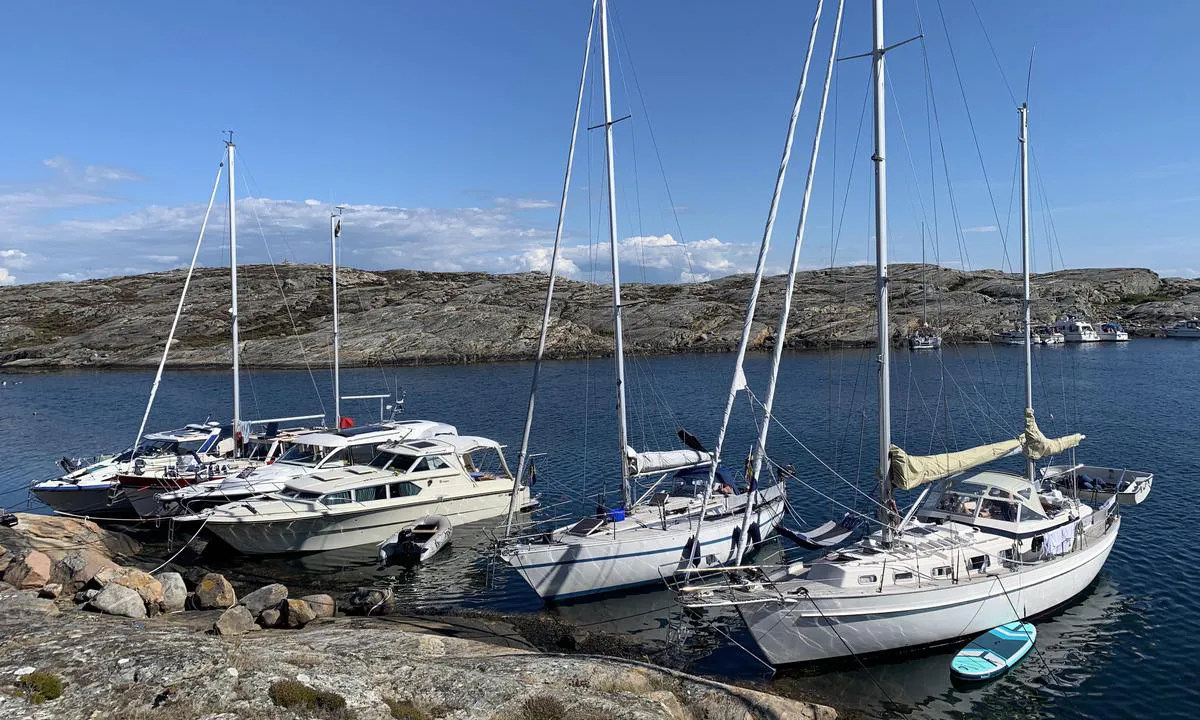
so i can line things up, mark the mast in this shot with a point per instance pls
(523, 455)
(618, 339)
(739, 377)
(924, 282)
(335, 229)
(1023, 139)
(760, 447)
(233, 310)
(886, 515)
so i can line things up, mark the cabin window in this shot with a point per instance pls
(868, 579)
(998, 510)
(437, 463)
(421, 465)
(300, 495)
(403, 489)
(303, 454)
(403, 463)
(978, 563)
(943, 571)
(902, 577)
(336, 498)
(360, 454)
(369, 494)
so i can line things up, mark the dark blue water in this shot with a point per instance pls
(1123, 649)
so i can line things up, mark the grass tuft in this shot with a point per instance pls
(40, 686)
(543, 707)
(297, 696)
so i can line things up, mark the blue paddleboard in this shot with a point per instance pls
(991, 654)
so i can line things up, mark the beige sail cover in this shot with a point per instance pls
(910, 471)
(1038, 446)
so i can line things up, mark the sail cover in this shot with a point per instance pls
(910, 471)
(1038, 446)
(645, 463)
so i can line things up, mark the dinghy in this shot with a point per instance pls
(414, 545)
(992, 654)
(827, 535)
(1097, 484)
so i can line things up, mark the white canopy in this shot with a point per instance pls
(645, 463)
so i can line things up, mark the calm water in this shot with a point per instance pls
(1122, 650)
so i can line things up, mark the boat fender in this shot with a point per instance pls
(736, 537)
(755, 534)
(139, 466)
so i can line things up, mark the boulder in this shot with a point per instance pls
(237, 620)
(322, 605)
(270, 597)
(117, 599)
(214, 592)
(140, 581)
(50, 591)
(29, 572)
(270, 618)
(76, 569)
(85, 596)
(174, 591)
(58, 536)
(298, 614)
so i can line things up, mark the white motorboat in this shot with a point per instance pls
(1183, 329)
(1098, 484)
(414, 545)
(979, 548)
(680, 520)
(1010, 337)
(307, 453)
(1076, 331)
(464, 478)
(1047, 335)
(1112, 332)
(93, 489)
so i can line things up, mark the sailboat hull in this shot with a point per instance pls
(100, 500)
(606, 562)
(825, 628)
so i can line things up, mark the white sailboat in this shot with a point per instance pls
(690, 515)
(979, 548)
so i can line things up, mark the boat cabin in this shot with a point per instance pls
(994, 501)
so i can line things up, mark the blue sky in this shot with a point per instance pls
(443, 125)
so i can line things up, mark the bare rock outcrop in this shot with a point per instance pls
(410, 317)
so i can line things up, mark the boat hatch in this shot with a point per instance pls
(586, 526)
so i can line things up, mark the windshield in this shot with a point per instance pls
(404, 463)
(382, 460)
(303, 455)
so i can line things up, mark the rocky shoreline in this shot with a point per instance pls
(84, 636)
(403, 317)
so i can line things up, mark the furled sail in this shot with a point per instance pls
(645, 463)
(1038, 446)
(910, 471)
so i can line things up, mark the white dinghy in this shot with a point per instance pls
(1097, 484)
(415, 544)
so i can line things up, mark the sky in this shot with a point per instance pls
(443, 129)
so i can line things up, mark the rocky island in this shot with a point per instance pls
(414, 317)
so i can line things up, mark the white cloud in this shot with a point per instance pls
(72, 277)
(524, 203)
(312, 203)
(14, 259)
(164, 259)
(981, 229)
(7, 278)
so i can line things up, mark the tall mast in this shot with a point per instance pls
(739, 377)
(233, 310)
(523, 455)
(924, 282)
(881, 268)
(335, 228)
(760, 448)
(618, 339)
(1023, 138)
